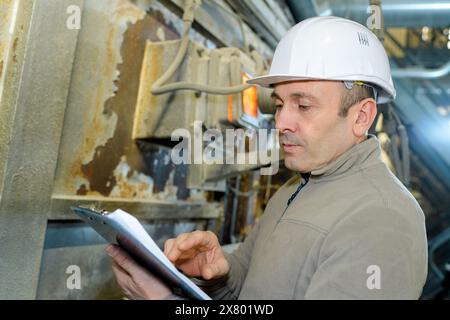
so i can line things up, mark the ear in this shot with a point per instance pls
(365, 113)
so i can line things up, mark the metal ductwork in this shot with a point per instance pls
(396, 13)
(422, 73)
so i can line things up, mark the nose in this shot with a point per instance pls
(284, 119)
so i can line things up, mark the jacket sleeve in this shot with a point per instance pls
(229, 287)
(375, 254)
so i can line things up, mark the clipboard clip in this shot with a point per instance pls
(92, 209)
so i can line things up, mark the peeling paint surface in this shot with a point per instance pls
(98, 156)
(130, 183)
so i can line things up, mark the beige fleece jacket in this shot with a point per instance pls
(352, 232)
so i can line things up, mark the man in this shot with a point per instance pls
(346, 228)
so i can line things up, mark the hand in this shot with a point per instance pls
(197, 254)
(136, 282)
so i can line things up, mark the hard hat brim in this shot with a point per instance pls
(269, 80)
(387, 94)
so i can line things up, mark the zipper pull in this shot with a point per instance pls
(300, 187)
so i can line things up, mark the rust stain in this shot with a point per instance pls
(100, 171)
(110, 51)
(1, 68)
(82, 190)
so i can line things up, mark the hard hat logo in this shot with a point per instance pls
(363, 39)
(331, 48)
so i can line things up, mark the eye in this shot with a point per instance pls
(303, 107)
(278, 107)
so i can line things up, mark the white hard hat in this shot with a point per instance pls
(331, 48)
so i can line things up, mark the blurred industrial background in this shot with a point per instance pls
(80, 125)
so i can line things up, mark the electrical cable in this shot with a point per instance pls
(159, 86)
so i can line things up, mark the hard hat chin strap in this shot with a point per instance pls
(350, 84)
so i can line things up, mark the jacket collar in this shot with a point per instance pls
(361, 155)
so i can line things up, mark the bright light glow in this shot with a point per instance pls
(425, 31)
(442, 111)
(327, 12)
(12, 24)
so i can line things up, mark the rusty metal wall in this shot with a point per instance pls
(67, 104)
(98, 159)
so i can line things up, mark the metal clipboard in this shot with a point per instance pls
(131, 237)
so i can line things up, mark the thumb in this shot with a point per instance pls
(215, 270)
(209, 271)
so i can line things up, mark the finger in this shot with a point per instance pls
(122, 277)
(122, 259)
(209, 271)
(118, 270)
(184, 245)
(173, 252)
(140, 286)
(196, 239)
(168, 245)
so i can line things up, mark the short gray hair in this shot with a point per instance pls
(353, 95)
